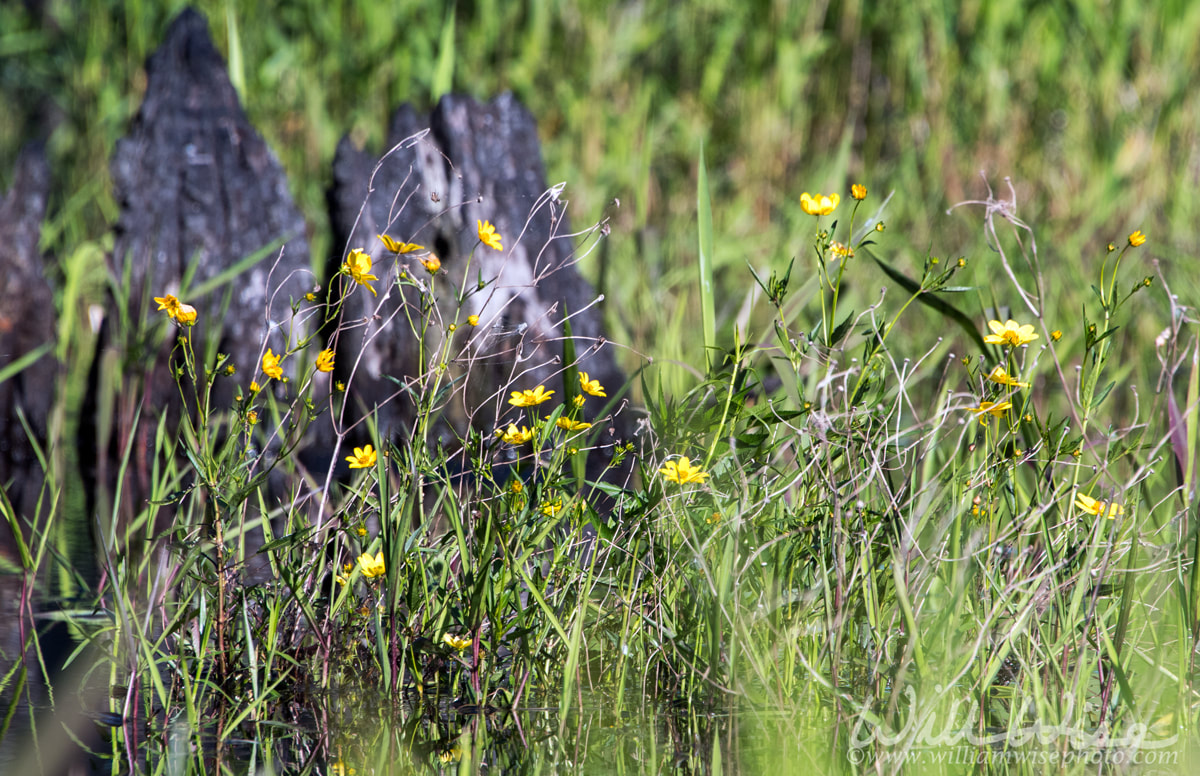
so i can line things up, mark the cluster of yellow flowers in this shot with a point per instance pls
(358, 263)
(1013, 335)
(823, 205)
(531, 397)
(182, 314)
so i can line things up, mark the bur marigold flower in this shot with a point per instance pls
(363, 458)
(572, 425)
(818, 204)
(358, 267)
(251, 417)
(399, 247)
(590, 386)
(372, 566)
(1101, 508)
(185, 315)
(473, 320)
(858, 191)
(552, 508)
(682, 471)
(270, 365)
(169, 303)
(456, 642)
(842, 250)
(1000, 375)
(515, 436)
(1137, 238)
(1056, 335)
(579, 400)
(993, 408)
(431, 263)
(254, 386)
(325, 361)
(530, 398)
(488, 235)
(1010, 333)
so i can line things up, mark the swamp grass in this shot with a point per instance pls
(863, 555)
(912, 547)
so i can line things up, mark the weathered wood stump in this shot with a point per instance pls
(477, 162)
(200, 195)
(26, 333)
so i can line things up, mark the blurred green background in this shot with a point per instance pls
(1087, 105)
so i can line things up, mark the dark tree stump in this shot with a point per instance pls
(477, 162)
(26, 327)
(200, 191)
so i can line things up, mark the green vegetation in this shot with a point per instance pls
(842, 513)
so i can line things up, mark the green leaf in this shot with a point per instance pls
(443, 74)
(933, 302)
(705, 231)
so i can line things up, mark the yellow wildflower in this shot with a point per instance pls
(325, 361)
(358, 267)
(371, 566)
(270, 365)
(169, 303)
(579, 400)
(473, 320)
(488, 235)
(515, 436)
(572, 425)
(456, 642)
(682, 471)
(858, 191)
(1000, 375)
(842, 250)
(399, 247)
(363, 458)
(177, 311)
(993, 408)
(185, 315)
(530, 398)
(1092, 506)
(552, 508)
(590, 386)
(431, 263)
(1137, 239)
(818, 204)
(1010, 333)
(254, 386)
